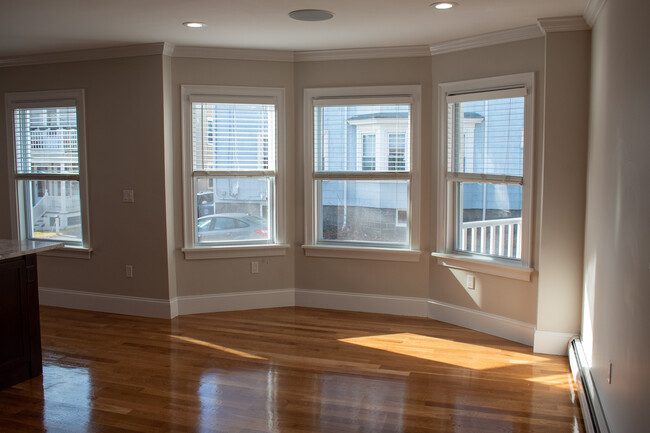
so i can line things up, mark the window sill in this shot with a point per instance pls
(236, 251)
(484, 266)
(69, 253)
(389, 254)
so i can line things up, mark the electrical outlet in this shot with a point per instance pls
(470, 282)
(128, 196)
(255, 267)
(129, 271)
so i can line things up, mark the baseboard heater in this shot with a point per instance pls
(592, 412)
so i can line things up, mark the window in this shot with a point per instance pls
(396, 151)
(486, 164)
(361, 144)
(369, 153)
(47, 147)
(233, 138)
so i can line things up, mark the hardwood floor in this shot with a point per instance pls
(285, 370)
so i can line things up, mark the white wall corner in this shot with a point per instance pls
(397, 305)
(235, 301)
(486, 39)
(173, 308)
(117, 304)
(504, 327)
(168, 49)
(552, 343)
(592, 10)
(562, 24)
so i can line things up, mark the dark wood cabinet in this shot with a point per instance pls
(20, 335)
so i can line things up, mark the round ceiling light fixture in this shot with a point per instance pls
(311, 15)
(194, 24)
(443, 5)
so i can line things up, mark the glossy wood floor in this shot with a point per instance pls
(285, 370)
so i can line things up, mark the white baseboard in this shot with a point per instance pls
(398, 305)
(235, 301)
(510, 329)
(130, 305)
(552, 343)
(522, 332)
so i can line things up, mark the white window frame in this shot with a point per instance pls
(363, 95)
(214, 93)
(48, 99)
(446, 253)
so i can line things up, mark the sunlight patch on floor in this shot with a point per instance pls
(217, 347)
(451, 352)
(563, 381)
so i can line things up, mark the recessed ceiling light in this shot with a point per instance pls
(311, 15)
(194, 24)
(443, 5)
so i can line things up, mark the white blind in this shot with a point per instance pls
(362, 138)
(233, 137)
(486, 137)
(46, 140)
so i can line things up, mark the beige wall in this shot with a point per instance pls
(142, 96)
(201, 277)
(616, 327)
(564, 175)
(353, 275)
(495, 295)
(124, 122)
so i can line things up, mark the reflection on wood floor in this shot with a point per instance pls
(285, 370)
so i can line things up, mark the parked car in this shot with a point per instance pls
(205, 203)
(232, 227)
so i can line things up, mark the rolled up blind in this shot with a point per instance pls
(46, 140)
(233, 136)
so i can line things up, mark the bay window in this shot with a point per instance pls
(47, 153)
(361, 168)
(233, 141)
(486, 169)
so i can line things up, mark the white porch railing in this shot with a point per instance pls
(500, 237)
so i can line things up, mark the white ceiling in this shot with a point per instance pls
(44, 26)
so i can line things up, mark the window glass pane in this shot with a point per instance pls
(46, 140)
(53, 210)
(359, 137)
(234, 209)
(489, 219)
(486, 136)
(369, 158)
(233, 136)
(364, 211)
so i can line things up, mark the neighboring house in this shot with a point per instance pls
(48, 144)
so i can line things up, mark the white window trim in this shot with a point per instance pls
(211, 93)
(49, 98)
(354, 95)
(446, 255)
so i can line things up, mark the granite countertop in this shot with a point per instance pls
(13, 248)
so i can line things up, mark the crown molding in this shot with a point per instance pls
(362, 53)
(92, 54)
(593, 10)
(562, 24)
(486, 39)
(233, 54)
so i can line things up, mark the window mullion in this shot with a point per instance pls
(484, 178)
(44, 176)
(240, 173)
(379, 175)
